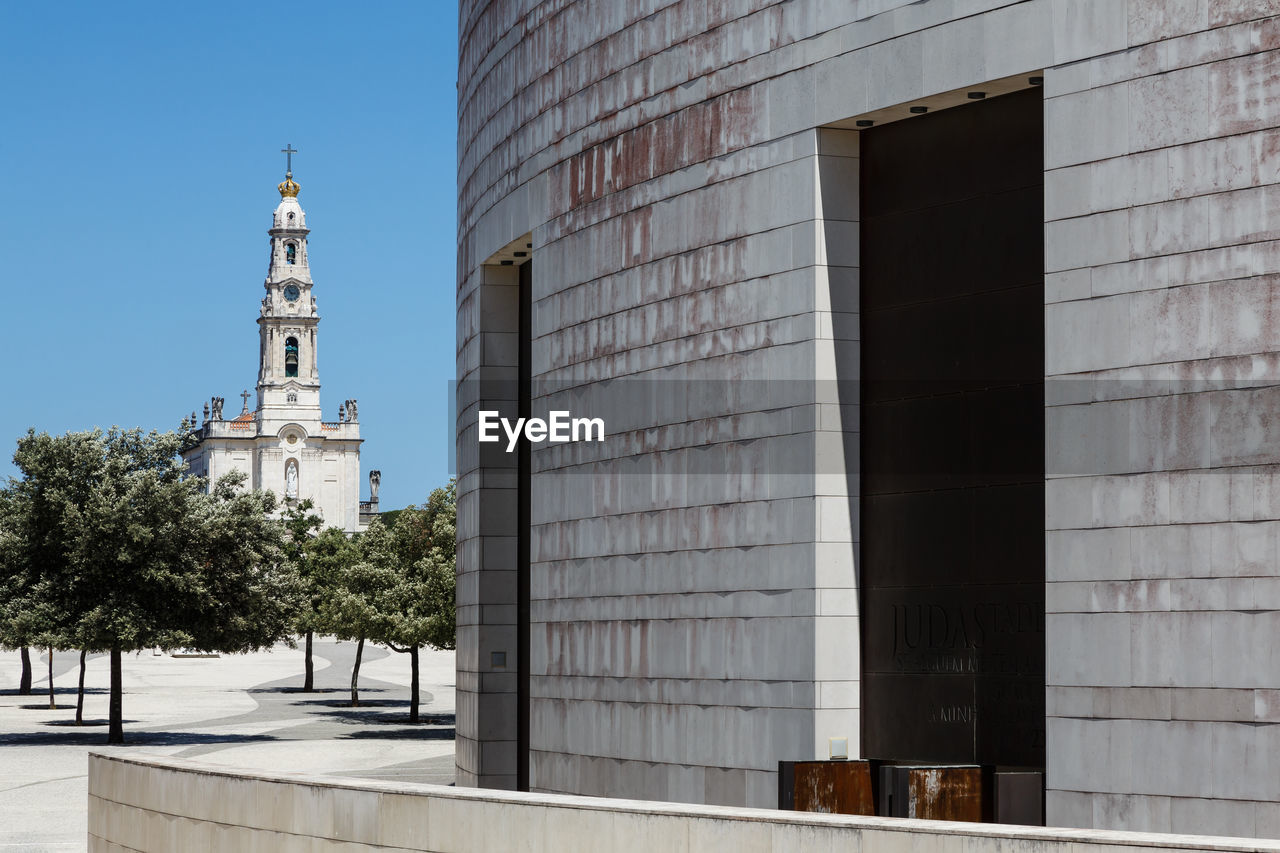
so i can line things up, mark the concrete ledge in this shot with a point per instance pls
(153, 803)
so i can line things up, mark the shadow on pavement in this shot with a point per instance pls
(365, 703)
(298, 690)
(400, 716)
(37, 692)
(97, 738)
(418, 733)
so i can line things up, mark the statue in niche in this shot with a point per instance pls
(291, 480)
(375, 480)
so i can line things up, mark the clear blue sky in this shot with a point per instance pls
(138, 163)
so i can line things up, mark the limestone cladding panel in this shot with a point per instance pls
(690, 224)
(1161, 227)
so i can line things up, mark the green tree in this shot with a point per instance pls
(400, 589)
(356, 606)
(301, 525)
(420, 606)
(28, 617)
(246, 594)
(329, 555)
(24, 611)
(13, 586)
(132, 553)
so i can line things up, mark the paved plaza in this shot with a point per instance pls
(242, 710)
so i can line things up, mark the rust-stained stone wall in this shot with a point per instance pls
(1161, 262)
(690, 221)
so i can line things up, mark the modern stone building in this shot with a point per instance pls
(938, 344)
(284, 444)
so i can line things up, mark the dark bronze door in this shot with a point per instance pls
(952, 461)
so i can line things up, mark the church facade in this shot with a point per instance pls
(284, 445)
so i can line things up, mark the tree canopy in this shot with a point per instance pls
(400, 589)
(301, 524)
(21, 617)
(423, 603)
(120, 549)
(108, 544)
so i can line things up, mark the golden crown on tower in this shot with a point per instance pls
(288, 187)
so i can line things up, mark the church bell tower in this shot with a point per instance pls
(284, 445)
(288, 378)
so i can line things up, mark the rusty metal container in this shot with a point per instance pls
(831, 787)
(932, 793)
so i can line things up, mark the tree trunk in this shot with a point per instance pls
(24, 683)
(52, 705)
(80, 692)
(355, 675)
(309, 683)
(413, 685)
(115, 729)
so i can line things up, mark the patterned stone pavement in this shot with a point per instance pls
(242, 710)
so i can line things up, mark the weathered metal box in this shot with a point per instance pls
(1019, 797)
(832, 787)
(932, 793)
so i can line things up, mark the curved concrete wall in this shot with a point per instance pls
(684, 176)
(160, 805)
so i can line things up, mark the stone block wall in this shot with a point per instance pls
(1161, 353)
(685, 171)
(154, 804)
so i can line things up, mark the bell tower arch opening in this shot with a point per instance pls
(291, 357)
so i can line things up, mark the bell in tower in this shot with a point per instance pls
(291, 357)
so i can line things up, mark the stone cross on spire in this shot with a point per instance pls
(245, 395)
(288, 151)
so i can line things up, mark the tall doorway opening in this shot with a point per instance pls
(952, 461)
